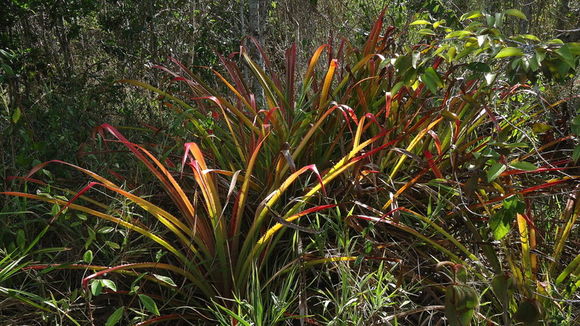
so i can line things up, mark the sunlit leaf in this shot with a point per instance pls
(471, 15)
(165, 279)
(420, 22)
(458, 34)
(509, 52)
(531, 37)
(501, 222)
(516, 13)
(495, 170)
(109, 284)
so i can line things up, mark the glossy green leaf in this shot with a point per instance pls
(106, 229)
(109, 284)
(509, 52)
(459, 34)
(531, 37)
(494, 171)
(471, 15)
(420, 22)
(88, 256)
(516, 13)
(439, 23)
(165, 279)
(501, 222)
(115, 317)
(149, 304)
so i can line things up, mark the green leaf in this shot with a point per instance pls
(88, 256)
(458, 34)
(106, 229)
(500, 224)
(439, 23)
(431, 80)
(499, 284)
(420, 22)
(567, 55)
(509, 52)
(574, 48)
(115, 317)
(516, 13)
(471, 15)
(460, 304)
(494, 171)
(403, 63)
(16, 115)
(525, 166)
(531, 37)
(165, 279)
(426, 31)
(112, 245)
(96, 287)
(149, 304)
(109, 284)
(576, 154)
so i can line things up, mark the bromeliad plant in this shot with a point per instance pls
(240, 185)
(425, 139)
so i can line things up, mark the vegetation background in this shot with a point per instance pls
(60, 63)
